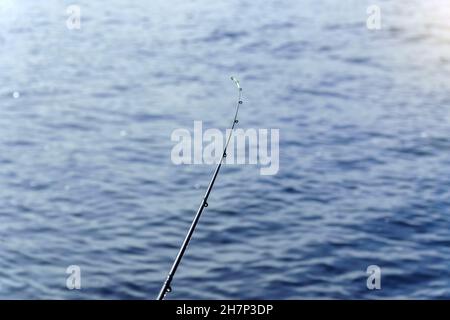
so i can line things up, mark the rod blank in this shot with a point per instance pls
(166, 288)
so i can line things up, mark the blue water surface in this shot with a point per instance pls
(86, 176)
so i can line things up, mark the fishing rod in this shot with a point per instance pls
(166, 288)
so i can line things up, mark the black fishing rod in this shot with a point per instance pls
(166, 288)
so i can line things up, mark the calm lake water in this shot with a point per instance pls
(85, 171)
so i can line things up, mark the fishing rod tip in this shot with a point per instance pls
(236, 81)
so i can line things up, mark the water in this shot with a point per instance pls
(86, 177)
